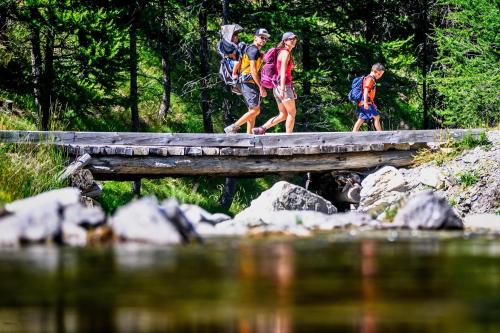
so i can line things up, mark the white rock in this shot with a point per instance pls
(143, 221)
(284, 196)
(196, 214)
(62, 197)
(10, 231)
(377, 184)
(73, 234)
(432, 176)
(483, 221)
(80, 215)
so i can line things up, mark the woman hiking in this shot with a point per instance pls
(283, 92)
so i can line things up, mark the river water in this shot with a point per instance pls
(385, 282)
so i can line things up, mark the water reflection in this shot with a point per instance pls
(361, 285)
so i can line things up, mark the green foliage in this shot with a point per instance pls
(28, 170)
(467, 74)
(468, 178)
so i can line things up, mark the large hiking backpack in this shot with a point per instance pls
(356, 93)
(268, 74)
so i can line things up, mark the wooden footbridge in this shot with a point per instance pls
(129, 156)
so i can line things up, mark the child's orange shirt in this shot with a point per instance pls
(368, 82)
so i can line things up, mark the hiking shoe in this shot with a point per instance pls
(231, 129)
(259, 130)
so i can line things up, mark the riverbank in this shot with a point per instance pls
(448, 192)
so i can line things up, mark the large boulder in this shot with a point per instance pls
(285, 196)
(381, 190)
(144, 221)
(425, 210)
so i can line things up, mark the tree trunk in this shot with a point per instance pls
(36, 65)
(369, 26)
(133, 74)
(229, 190)
(48, 78)
(204, 68)
(425, 21)
(165, 63)
(306, 83)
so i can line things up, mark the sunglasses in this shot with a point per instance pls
(293, 38)
(263, 38)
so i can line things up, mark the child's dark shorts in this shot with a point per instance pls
(367, 114)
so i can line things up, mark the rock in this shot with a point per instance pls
(62, 197)
(10, 232)
(196, 214)
(230, 228)
(73, 234)
(285, 196)
(427, 211)
(378, 184)
(143, 221)
(432, 176)
(176, 216)
(40, 224)
(291, 222)
(490, 222)
(83, 216)
(380, 206)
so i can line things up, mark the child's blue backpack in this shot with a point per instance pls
(356, 93)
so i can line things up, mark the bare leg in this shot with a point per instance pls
(290, 118)
(277, 119)
(248, 118)
(376, 120)
(358, 124)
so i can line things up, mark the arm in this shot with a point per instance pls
(256, 78)
(236, 69)
(365, 98)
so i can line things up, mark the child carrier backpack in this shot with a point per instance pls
(230, 54)
(268, 74)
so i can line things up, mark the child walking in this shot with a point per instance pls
(366, 108)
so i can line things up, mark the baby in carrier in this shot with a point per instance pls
(231, 53)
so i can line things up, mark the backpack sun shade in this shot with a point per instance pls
(225, 48)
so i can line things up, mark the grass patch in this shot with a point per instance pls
(27, 170)
(468, 178)
(450, 149)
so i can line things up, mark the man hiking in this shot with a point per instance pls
(366, 108)
(251, 88)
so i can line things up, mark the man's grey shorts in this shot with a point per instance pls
(251, 94)
(290, 94)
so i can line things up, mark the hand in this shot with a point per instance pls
(282, 93)
(366, 106)
(263, 92)
(235, 76)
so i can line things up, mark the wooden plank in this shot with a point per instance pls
(76, 165)
(119, 167)
(236, 140)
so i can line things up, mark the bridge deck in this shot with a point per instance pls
(133, 155)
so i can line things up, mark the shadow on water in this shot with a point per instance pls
(326, 284)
